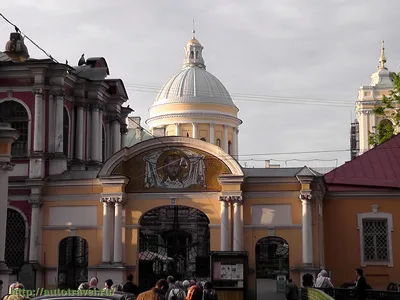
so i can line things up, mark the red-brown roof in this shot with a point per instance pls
(378, 167)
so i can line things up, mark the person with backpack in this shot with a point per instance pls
(177, 292)
(208, 292)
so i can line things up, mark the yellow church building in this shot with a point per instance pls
(157, 206)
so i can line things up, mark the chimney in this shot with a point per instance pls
(268, 165)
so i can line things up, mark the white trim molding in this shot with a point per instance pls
(375, 216)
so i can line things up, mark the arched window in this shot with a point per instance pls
(15, 240)
(15, 113)
(66, 133)
(203, 139)
(191, 54)
(218, 142)
(229, 147)
(103, 145)
(187, 134)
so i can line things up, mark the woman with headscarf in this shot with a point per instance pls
(15, 292)
(323, 281)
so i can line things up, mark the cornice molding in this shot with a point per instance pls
(193, 114)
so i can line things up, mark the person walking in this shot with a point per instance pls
(130, 287)
(292, 291)
(156, 293)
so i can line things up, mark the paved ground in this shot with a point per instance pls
(266, 290)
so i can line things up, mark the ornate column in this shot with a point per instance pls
(177, 129)
(116, 135)
(7, 136)
(225, 141)
(94, 133)
(195, 130)
(118, 201)
(212, 134)
(34, 243)
(80, 132)
(59, 130)
(38, 134)
(100, 133)
(107, 219)
(236, 143)
(237, 223)
(307, 232)
(225, 228)
(124, 134)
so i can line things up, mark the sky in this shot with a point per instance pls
(292, 67)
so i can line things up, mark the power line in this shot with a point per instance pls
(25, 36)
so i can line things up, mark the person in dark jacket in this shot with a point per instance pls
(130, 287)
(292, 291)
(156, 293)
(208, 292)
(360, 284)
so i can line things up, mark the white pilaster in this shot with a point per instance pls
(80, 130)
(237, 224)
(59, 136)
(94, 133)
(100, 132)
(236, 143)
(87, 134)
(195, 130)
(177, 129)
(225, 141)
(106, 247)
(116, 134)
(307, 238)
(34, 251)
(224, 224)
(38, 134)
(212, 134)
(118, 230)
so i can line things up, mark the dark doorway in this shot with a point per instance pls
(174, 240)
(73, 262)
(15, 240)
(272, 257)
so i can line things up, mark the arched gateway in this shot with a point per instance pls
(174, 240)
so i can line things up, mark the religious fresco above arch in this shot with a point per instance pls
(172, 169)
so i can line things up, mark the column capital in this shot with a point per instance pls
(233, 199)
(35, 201)
(305, 197)
(195, 123)
(6, 166)
(212, 125)
(60, 92)
(79, 105)
(38, 91)
(112, 199)
(95, 106)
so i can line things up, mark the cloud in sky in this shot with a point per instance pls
(301, 49)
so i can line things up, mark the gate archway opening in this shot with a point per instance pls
(173, 240)
(73, 261)
(272, 257)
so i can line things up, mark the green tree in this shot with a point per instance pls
(390, 114)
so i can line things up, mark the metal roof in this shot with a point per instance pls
(378, 167)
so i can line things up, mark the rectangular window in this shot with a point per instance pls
(376, 240)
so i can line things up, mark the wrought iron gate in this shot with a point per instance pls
(72, 262)
(174, 240)
(15, 240)
(272, 257)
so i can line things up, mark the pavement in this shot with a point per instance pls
(266, 290)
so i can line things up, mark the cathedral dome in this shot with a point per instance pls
(194, 84)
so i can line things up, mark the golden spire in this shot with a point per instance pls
(193, 31)
(382, 58)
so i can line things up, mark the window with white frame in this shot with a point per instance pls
(376, 238)
(375, 235)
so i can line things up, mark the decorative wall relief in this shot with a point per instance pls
(174, 168)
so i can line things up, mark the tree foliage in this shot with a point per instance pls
(385, 130)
